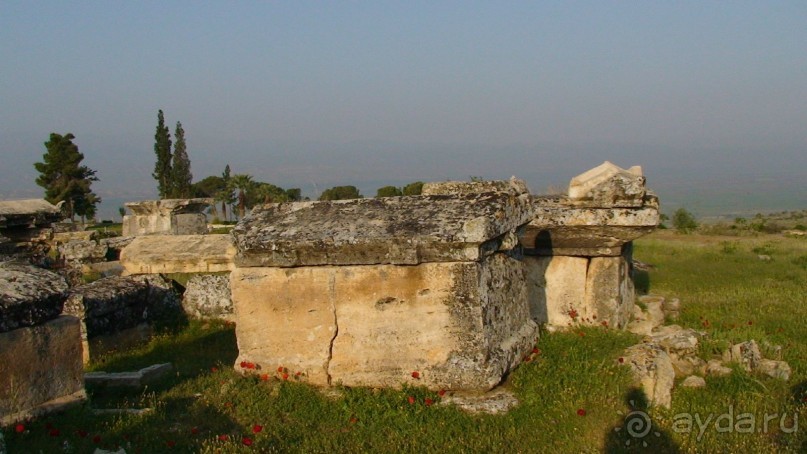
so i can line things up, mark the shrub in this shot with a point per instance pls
(684, 221)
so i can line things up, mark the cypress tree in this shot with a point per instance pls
(162, 148)
(181, 177)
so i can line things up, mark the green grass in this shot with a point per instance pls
(574, 395)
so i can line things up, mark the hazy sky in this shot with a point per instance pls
(315, 94)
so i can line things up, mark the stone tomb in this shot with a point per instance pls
(366, 292)
(578, 248)
(166, 217)
(40, 351)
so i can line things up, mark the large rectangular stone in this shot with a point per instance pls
(39, 364)
(556, 288)
(610, 291)
(460, 325)
(165, 254)
(392, 230)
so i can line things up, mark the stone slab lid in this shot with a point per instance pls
(29, 295)
(169, 206)
(395, 230)
(608, 185)
(28, 211)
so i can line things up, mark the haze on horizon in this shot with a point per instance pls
(710, 98)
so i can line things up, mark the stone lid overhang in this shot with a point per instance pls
(167, 207)
(28, 212)
(29, 295)
(392, 230)
(565, 227)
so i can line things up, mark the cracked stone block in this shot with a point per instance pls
(460, 325)
(556, 289)
(29, 295)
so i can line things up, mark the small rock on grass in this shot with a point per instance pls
(693, 381)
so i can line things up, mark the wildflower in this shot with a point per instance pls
(285, 376)
(441, 393)
(581, 412)
(257, 428)
(214, 369)
(536, 351)
(195, 430)
(54, 432)
(96, 439)
(621, 360)
(582, 334)
(223, 437)
(428, 402)
(411, 400)
(354, 420)
(19, 428)
(416, 375)
(171, 443)
(281, 369)
(573, 314)
(264, 377)
(246, 441)
(750, 322)
(82, 433)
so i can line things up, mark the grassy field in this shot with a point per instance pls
(574, 394)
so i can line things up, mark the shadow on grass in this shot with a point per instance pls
(637, 433)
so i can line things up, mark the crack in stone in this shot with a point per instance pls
(332, 294)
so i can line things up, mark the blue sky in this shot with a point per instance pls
(315, 94)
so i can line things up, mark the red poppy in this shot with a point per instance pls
(411, 400)
(416, 375)
(581, 412)
(298, 373)
(265, 377)
(243, 364)
(257, 428)
(82, 433)
(441, 393)
(605, 323)
(573, 314)
(428, 402)
(354, 420)
(223, 437)
(621, 360)
(96, 439)
(171, 443)
(536, 350)
(527, 359)
(582, 334)
(214, 369)
(19, 428)
(750, 323)
(285, 376)
(195, 430)
(54, 432)
(281, 369)
(246, 441)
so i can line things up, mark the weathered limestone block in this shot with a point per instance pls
(38, 365)
(556, 288)
(394, 230)
(116, 311)
(513, 186)
(609, 291)
(28, 213)
(83, 251)
(609, 186)
(165, 254)
(652, 368)
(29, 295)
(166, 217)
(80, 235)
(460, 325)
(208, 296)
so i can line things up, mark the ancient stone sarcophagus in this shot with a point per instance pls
(578, 247)
(365, 292)
(166, 217)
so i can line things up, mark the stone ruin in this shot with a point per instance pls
(445, 289)
(25, 225)
(166, 217)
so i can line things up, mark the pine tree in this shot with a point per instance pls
(65, 179)
(181, 177)
(162, 148)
